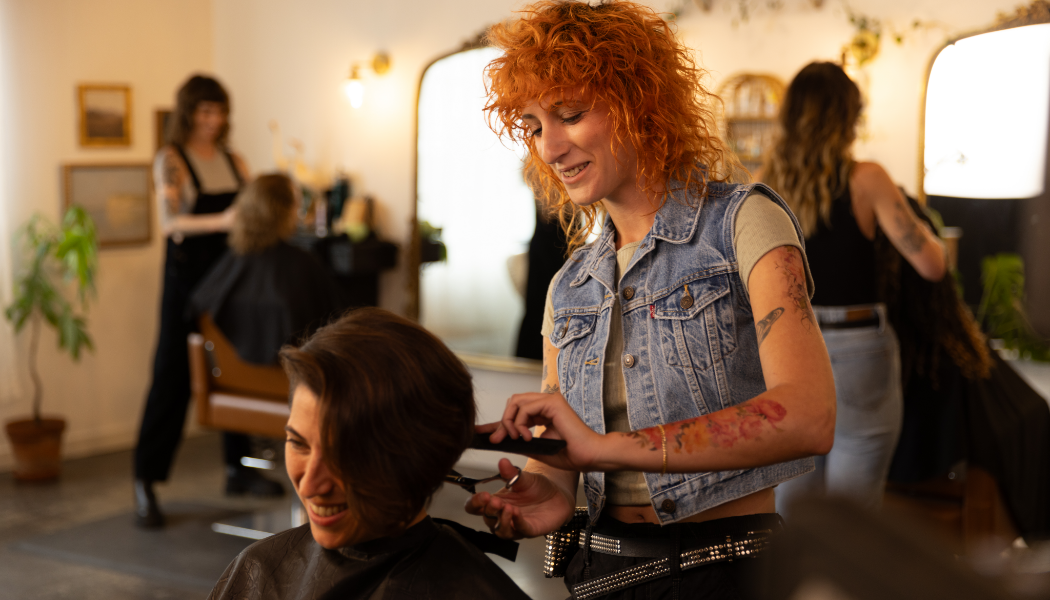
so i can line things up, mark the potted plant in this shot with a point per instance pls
(1002, 311)
(55, 258)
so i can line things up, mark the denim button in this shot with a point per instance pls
(628, 293)
(687, 301)
(668, 506)
(628, 360)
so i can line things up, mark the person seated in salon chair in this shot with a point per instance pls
(380, 412)
(265, 293)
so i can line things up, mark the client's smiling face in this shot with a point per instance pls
(322, 492)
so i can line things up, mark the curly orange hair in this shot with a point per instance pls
(626, 56)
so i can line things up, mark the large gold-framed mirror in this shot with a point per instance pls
(469, 187)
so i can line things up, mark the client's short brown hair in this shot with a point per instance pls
(396, 409)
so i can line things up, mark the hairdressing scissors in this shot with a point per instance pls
(469, 483)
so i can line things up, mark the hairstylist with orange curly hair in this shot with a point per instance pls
(682, 361)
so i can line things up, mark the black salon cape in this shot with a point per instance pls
(264, 300)
(427, 562)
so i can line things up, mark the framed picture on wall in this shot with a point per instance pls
(161, 120)
(117, 196)
(105, 115)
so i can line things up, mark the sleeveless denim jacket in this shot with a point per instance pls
(690, 346)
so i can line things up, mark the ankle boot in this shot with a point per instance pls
(147, 512)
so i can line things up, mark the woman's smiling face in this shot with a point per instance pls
(576, 140)
(322, 492)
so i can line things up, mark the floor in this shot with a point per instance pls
(97, 488)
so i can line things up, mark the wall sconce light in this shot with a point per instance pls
(355, 87)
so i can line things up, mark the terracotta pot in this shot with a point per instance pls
(37, 447)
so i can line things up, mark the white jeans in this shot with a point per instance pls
(866, 365)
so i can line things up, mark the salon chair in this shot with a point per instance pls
(231, 394)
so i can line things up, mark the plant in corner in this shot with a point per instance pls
(55, 258)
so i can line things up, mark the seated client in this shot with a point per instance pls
(380, 411)
(265, 293)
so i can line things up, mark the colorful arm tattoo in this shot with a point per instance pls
(723, 429)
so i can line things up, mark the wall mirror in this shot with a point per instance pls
(469, 185)
(984, 149)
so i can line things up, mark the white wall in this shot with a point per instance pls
(287, 60)
(50, 46)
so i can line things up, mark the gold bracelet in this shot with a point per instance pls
(663, 436)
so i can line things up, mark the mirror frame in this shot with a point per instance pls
(503, 364)
(1033, 14)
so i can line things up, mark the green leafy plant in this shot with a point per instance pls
(55, 258)
(1002, 313)
(434, 248)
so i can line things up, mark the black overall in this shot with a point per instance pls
(185, 264)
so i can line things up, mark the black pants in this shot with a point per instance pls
(169, 394)
(723, 581)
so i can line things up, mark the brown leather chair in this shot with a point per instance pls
(231, 394)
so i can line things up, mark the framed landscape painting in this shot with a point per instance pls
(105, 115)
(117, 196)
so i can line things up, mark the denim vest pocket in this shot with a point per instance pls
(694, 322)
(570, 329)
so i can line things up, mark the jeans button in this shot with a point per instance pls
(628, 361)
(687, 301)
(668, 506)
(628, 293)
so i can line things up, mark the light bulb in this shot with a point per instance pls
(355, 91)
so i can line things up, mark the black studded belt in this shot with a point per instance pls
(730, 548)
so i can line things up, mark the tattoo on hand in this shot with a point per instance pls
(790, 264)
(551, 388)
(911, 239)
(767, 323)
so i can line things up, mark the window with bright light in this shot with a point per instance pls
(987, 104)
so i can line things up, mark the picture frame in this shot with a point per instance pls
(161, 119)
(105, 115)
(119, 198)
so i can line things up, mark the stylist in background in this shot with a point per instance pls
(197, 179)
(839, 204)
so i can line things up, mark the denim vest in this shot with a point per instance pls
(690, 346)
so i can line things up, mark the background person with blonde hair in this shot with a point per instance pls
(265, 292)
(840, 202)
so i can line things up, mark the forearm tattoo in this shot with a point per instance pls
(723, 429)
(910, 238)
(551, 388)
(789, 265)
(766, 323)
(649, 439)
